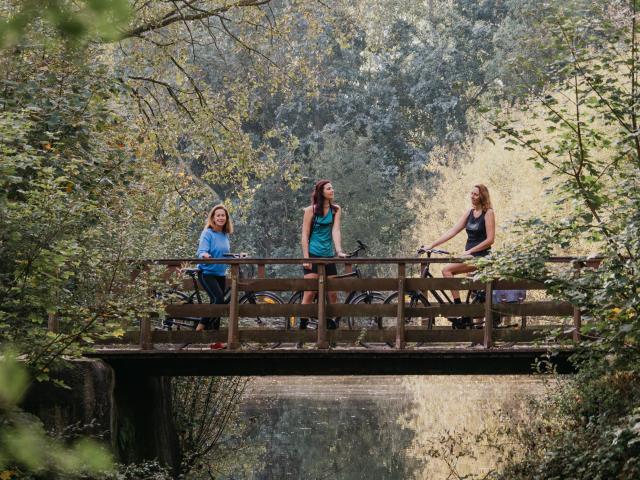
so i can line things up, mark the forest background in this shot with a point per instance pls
(122, 123)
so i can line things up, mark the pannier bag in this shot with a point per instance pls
(509, 296)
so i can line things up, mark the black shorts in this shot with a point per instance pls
(482, 253)
(329, 268)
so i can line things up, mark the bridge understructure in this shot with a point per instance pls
(415, 337)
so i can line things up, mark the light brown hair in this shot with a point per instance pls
(228, 225)
(485, 198)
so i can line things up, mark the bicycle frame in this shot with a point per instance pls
(297, 295)
(196, 297)
(440, 295)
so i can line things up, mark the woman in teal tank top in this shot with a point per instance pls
(320, 234)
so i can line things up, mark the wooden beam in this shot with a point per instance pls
(233, 341)
(577, 324)
(356, 361)
(548, 309)
(442, 284)
(386, 335)
(379, 284)
(400, 336)
(351, 284)
(278, 284)
(322, 342)
(146, 342)
(488, 315)
(577, 314)
(593, 262)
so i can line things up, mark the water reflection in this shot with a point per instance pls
(370, 427)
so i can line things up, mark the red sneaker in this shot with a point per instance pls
(217, 346)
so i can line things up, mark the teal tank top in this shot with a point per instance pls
(321, 241)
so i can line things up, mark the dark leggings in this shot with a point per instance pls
(214, 285)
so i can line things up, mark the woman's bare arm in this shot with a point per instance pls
(306, 228)
(490, 224)
(452, 232)
(336, 233)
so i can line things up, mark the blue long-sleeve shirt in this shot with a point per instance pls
(215, 244)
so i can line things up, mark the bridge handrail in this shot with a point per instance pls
(589, 261)
(401, 283)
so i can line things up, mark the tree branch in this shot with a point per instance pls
(176, 16)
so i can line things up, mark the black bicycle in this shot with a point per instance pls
(368, 297)
(196, 296)
(417, 298)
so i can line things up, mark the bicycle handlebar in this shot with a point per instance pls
(429, 251)
(236, 255)
(361, 247)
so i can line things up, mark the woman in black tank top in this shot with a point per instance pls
(480, 225)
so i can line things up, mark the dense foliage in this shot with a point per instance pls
(121, 123)
(590, 429)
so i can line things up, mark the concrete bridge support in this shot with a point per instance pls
(131, 412)
(142, 423)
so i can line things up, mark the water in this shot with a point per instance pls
(376, 427)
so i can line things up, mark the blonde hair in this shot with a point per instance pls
(485, 198)
(228, 225)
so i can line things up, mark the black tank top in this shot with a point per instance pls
(476, 230)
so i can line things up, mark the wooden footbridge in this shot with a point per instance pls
(412, 339)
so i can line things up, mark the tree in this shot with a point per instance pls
(591, 113)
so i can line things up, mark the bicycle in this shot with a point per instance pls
(354, 297)
(416, 298)
(249, 297)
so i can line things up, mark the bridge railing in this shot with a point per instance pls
(399, 335)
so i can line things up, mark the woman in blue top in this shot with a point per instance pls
(480, 225)
(214, 243)
(320, 234)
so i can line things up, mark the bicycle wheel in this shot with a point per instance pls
(474, 297)
(262, 298)
(411, 300)
(370, 322)
(293, 321)
(167, 322)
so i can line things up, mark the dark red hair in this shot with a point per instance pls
(317, 198)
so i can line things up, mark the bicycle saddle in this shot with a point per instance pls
(192, 272)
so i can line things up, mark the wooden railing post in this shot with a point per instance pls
(488, 315)
(400, 332)
(348, 268)
(322, 342)
(577, 324)
(261, 270)
(577, 315)
(145, 333)
(233, 340)
(53, 323)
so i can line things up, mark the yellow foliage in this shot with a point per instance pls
(516, 186)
